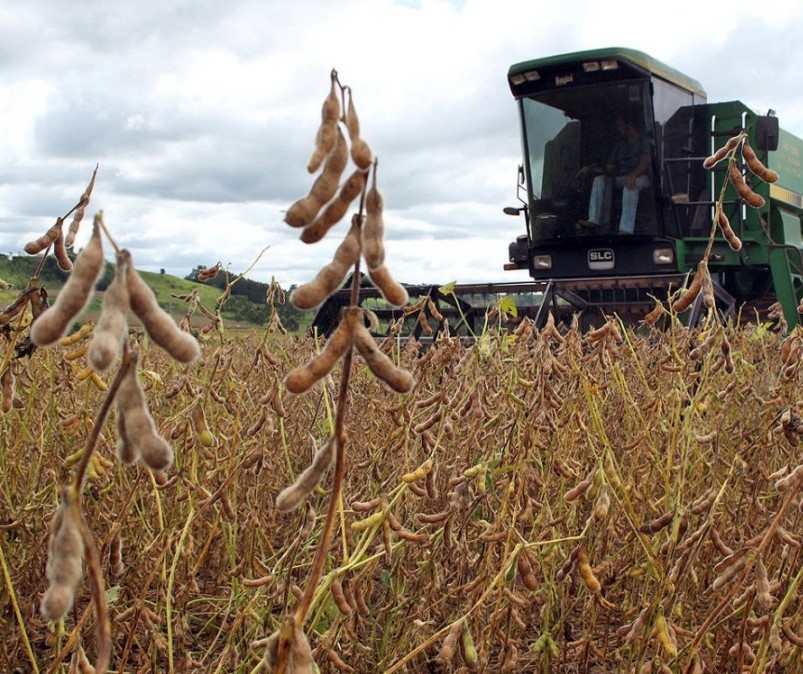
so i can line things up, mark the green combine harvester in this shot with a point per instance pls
(574, 108)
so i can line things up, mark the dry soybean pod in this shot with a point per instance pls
(291, 497)
(60, 252)
(685, 300)
(64, 559)
(329, 279)
(47, 239)
(720, 154)
(112, 328)
(658, 524)
(339, 595)
(300, 379)
(449, 646)
(326, 135)
(361, 153)
(757, 166)
(525, 568)
(586, 573)
(7, 380)
(78, 214)
(161, 328)
(727, 231)
(75, 294)
(393, 292)
(125, 449)
(398, 379)
(334, 211)
(373, 231)
(742, 188)
(303, 211)
(140, 429)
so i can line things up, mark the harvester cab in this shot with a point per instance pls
(618, 237)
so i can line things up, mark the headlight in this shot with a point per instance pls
(542, 262)
(663, 256)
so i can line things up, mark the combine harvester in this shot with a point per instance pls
(568, 107)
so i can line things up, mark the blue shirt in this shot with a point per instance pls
(626, 155)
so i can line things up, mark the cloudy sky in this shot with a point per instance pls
(201, 114)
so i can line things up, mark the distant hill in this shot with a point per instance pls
(246, 305)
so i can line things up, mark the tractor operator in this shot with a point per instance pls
(627, 169)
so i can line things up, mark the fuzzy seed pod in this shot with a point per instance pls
(371, 521)
(468, 650)
(60, 253)
(586, 572)
(340, 597)
(47, 239)
(126, 451)
(361, 153)
(685, 300)
(7, 381)
(730, 567)
(742, 188)
(208, 273)
(303, 377)
(198, 418)
(373, 231)
(757, 166)
(365, 506)
(579, 489)
(112, 328)
(662, 631)
(80, 209)
(727, 231)
(763, 595)
(432, 518)
(294, 650)
(449, 646)
(310, 295)
(602, 504)
(394, 293)
(334, 211)
(161, 328)
(64, 560)
(291, 497)
(720, 154)
(790, 481)
(140, 429)
(325, 137)
(304, 211)
(525, 568)
(704, 502)
(398, 379)
(78, 335)
(75, 294)
(656, 525)
(419, 473)
(116, 556)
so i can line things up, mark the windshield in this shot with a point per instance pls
(574, 136)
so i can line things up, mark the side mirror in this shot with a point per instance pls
(767, 133)
(512, 210)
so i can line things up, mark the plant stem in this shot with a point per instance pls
(316, 572)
